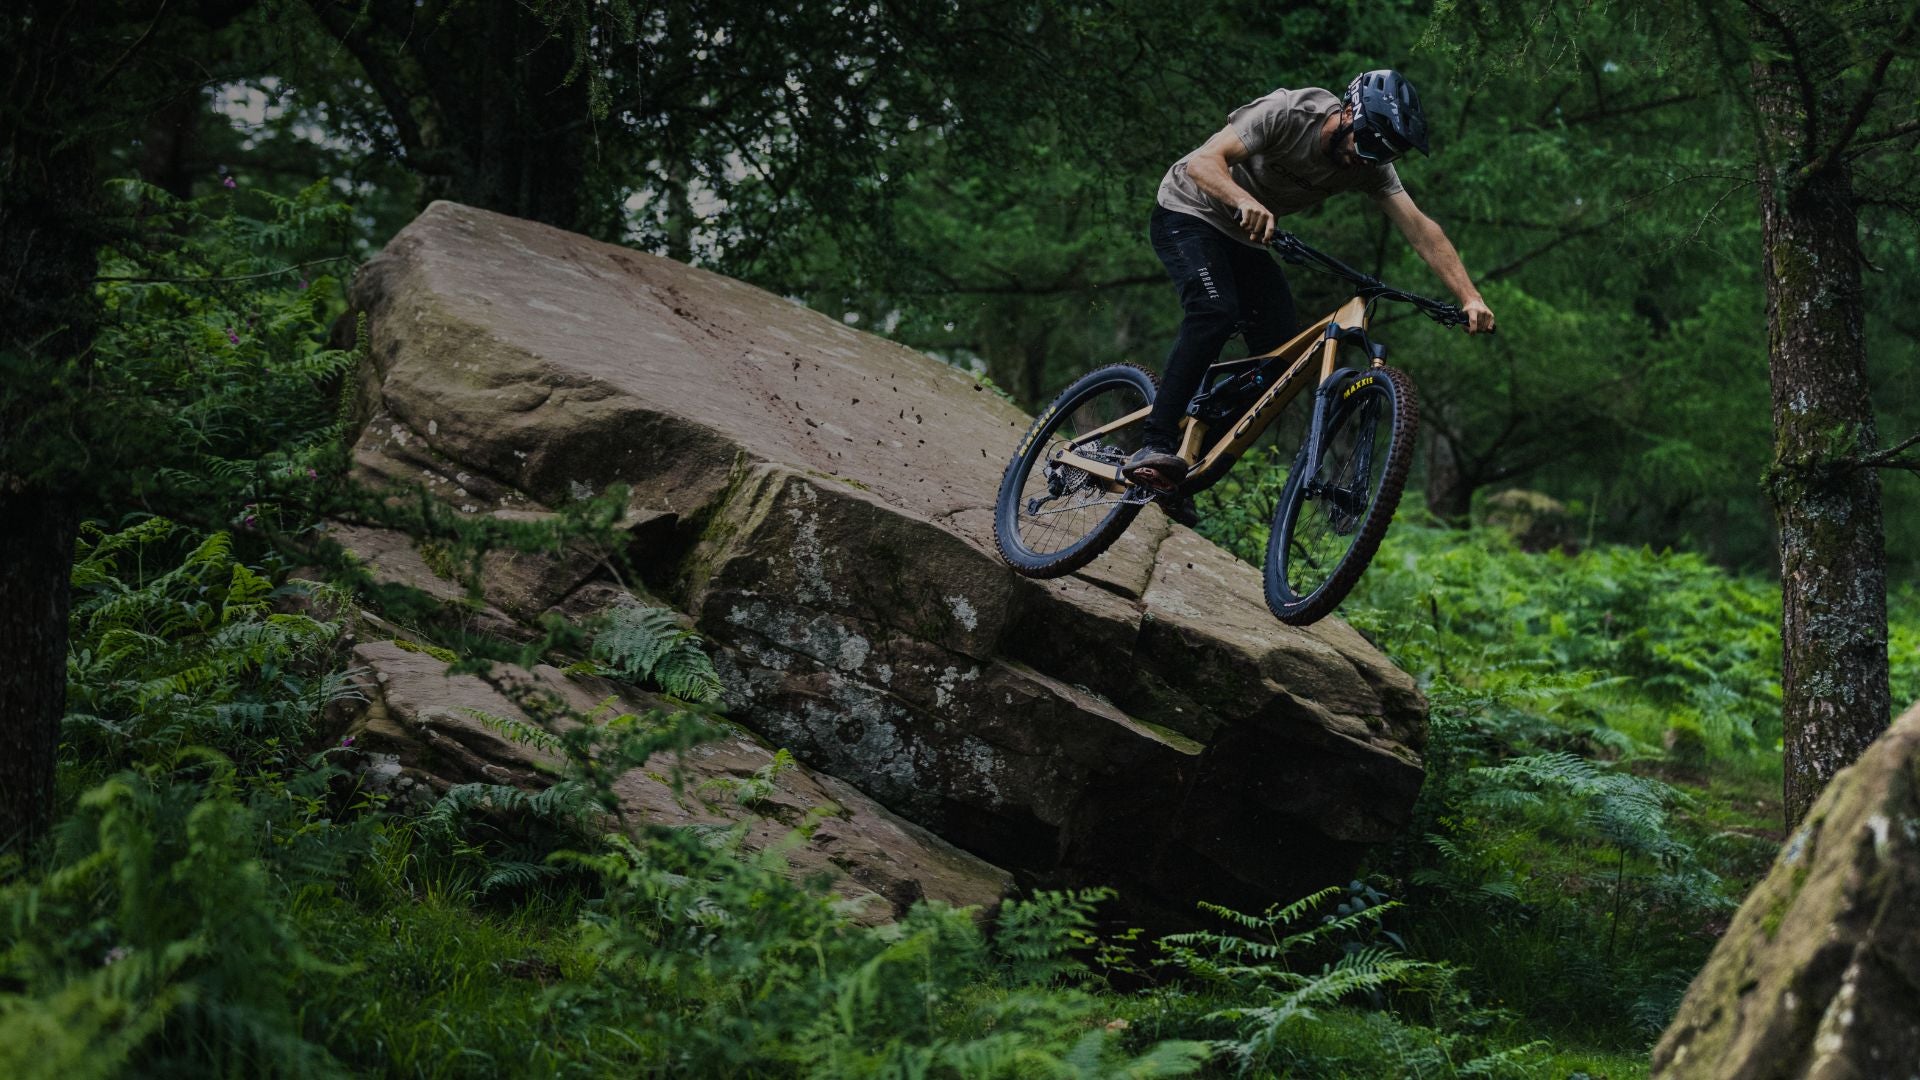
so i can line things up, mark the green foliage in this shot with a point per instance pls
(166, 655)
(1269, 991)
(1569, 854)
(194, 917)
(1568, 829)
(1628, 638)
(214, 390)
(648, 645)
(1237, 512)
(752, 790)
(1040, 938)
(159, 941)
(705, 958)
(782, 982)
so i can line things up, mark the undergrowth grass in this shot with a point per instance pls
(224, 896)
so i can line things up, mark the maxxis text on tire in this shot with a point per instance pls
(1390, 394)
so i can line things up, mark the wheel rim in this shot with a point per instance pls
(1058, 505)
(1332, 506)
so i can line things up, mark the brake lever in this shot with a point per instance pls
(1287, 246)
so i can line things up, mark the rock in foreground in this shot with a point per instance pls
(817, 499)
(1819, 974)
(422, 726)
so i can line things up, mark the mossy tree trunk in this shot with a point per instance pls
(1833, 570)
(1449, 490)
(48, 239)
(37, 531)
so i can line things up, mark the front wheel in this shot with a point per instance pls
(1327, 526)
(1051, 518)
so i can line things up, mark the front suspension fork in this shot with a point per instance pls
(1327, 393)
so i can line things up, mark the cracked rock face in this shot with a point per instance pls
(423, 730)
(1819, 974)
(818, 501)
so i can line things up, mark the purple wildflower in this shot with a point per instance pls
(311, 474)
(248, 520)
(303, 284)
(346, 742)
(228, 183)
(232, 337)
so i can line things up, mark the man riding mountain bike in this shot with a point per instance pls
(1215, 214)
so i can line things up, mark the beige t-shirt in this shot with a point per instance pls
(1285, 168)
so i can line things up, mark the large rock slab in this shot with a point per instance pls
(423, 730)
(817, 500)
(1818, 976)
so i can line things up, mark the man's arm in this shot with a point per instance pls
(1211, 167)
(1427, 238)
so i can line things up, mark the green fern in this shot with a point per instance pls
(1039, 937)
(1263, 967)
(646, 645)
(515, 874)
(752, 790)
(188, 951)
(172, 647)
(517, 729)
(564, 803)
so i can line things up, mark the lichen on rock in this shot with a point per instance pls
(1819, 973)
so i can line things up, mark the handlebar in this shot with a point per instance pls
(1300, 253)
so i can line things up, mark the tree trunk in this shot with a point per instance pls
(1449, 492)
(679, 217)
(1835, 693)
(36, 547)
(48, 240)
(520, 123)
(169, 141)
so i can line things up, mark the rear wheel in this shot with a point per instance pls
(1051, 518)
(1327, 526)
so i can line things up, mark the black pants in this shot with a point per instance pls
(1226, 287)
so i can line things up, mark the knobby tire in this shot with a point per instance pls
(1394, 399)
(1125, 382)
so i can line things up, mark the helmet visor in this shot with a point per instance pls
(1375, 147)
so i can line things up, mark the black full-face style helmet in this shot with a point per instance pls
(1387, 120)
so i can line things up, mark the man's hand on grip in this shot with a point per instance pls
(1479, 316)
(1256, 221)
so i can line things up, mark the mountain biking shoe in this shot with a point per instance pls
(1156, 469)
(1180, 509)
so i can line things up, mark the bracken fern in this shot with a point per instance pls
(645, 645)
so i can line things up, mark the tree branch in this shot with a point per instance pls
(350, 31)
(1890, 457)
(1863, 104)
(217, 279)
(114, 69)
(951, 286)
(1629, 110)
(1895, 132)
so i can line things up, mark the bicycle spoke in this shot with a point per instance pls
(1060, 505)
(1336, 503)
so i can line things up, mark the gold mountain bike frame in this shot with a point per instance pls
(1249, 425)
